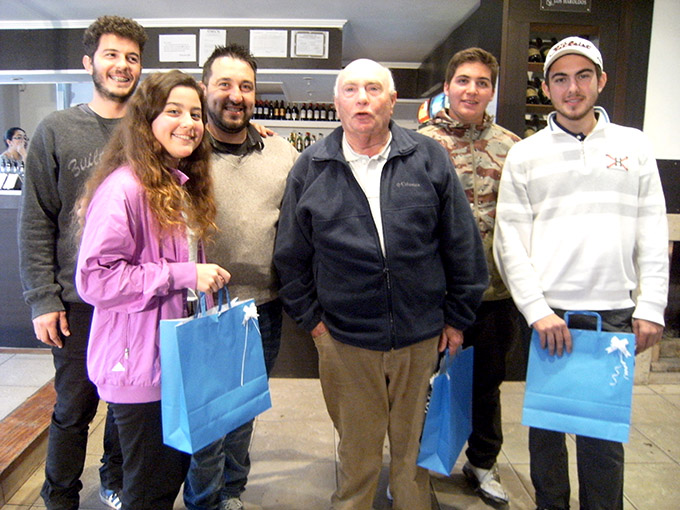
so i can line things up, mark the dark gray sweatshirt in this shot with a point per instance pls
(65, 148)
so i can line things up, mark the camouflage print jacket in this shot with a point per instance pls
(478, 152)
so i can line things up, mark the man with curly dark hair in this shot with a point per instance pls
(66, 146)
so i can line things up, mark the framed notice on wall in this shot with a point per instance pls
(177, 48)
(309, 44)
(269, 43)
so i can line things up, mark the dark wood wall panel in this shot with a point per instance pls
(16, 328)
(623, 28)
(482, 29)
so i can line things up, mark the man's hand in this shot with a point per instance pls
(647, 333)
(263, 131)
(47, 327)
(554, 334)
(451, 338)
(319, 330)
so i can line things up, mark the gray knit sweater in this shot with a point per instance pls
(248, 192)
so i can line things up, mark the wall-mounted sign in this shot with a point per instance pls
(209, 38)
(566, 5)
(177, 48)
(309, 44)
(269, 43)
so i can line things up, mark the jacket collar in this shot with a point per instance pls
(401, 144)
(602, 121)
(453, 126)
(252, 142)
(181, 176)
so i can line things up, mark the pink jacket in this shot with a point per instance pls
(133, 280)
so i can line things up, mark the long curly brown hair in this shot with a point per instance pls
(133, 143)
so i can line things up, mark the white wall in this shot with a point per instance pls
(35, 102)
(9, 110)
(662, 106)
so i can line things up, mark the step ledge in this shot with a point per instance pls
(664, 378)
(24, 437)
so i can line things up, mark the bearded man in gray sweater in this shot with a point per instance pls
(249, 175)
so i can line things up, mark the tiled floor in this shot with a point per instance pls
(293, 450)
(21, 375)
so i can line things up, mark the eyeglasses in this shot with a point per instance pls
(25, 138)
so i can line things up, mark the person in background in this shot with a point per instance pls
(581, 225)
(380, 259)
(16, 141)
(477, 148)
(144, 214)
(249, 175)
(66, 146)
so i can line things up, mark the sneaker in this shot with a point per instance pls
(487, 482)
(109, 498)
(388, 493)
(231, 504)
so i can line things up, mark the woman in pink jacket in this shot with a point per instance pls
(143, 215)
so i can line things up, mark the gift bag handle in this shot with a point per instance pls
(222, 296)
(582, 312)
(447, 360)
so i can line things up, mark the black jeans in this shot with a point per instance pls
(75, 407)
(152, 472)
(599, 462)
(495, 327)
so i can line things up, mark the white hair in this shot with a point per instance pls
(367, 63)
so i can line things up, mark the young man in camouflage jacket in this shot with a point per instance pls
(478, 148)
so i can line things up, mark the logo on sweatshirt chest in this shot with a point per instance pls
(617, 162)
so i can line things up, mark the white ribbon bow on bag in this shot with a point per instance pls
(619, 345)
(249, 312)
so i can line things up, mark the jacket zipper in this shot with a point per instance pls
(383, 256)
(475, 194)
(386, 269)
(390, 311)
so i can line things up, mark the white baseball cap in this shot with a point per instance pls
(570, 46)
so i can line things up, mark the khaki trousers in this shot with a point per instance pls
(369, 394)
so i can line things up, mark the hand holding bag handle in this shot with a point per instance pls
(448, 422)
(587, 392)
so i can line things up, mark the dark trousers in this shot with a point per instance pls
(599, 462)
(220, 470)
(152, 472)
(75, 407)
(495, 327)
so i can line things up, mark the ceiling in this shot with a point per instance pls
(398, 33)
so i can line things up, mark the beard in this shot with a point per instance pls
(118, 97)
(576, 114)
(229, 126)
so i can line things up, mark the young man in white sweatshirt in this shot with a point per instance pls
(581, 224)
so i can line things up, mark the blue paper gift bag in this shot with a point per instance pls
(213, 376)
(587, 392)
(448, 422)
